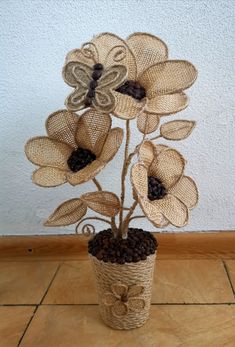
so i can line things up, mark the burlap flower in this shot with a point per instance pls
(158, 82)
(123, 299)
(76, 148)
(164, 193)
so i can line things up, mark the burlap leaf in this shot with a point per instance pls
(69, 212)
(147, 122)
(105, 203)
(177, 129)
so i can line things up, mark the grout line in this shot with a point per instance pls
(36, 308)
(26, 328)
(228, 275)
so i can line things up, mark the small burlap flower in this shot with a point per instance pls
(164, 193)
(158, 82)
(76, 148)
(123, 299)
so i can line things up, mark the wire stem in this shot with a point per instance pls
(97, 184)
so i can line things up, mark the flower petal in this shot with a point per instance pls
(168, 77)
(136, 304)
(119, 309)
(44, 151)
(147, 122)
(109, 299)
(86, 174)
(49, 177)
(146, 153)
(173, 210)
(148, 50)
(139, 179)
(135, 290)
(69, 212)
(77, 74)
(92, 130)
(153, 213)
(167, 104)
(186, 191)
(112, 50)
(168, 167)
(127, 107)
(76, 100)
(119, 289)
(62, 126)
(112, 143)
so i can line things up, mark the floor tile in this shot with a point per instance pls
(25, 282)
(13, 321)
(231, 270)
(169, 326)
(73, 284)
(191, 281)
(175, 281)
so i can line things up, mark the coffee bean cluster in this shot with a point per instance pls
(80, 158)
(96, 74)
(138, 245)
(156, 189)
(133, 89)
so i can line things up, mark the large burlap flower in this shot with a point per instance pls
(158, 82)
(76, 148)
(164, 193)
(123, 299)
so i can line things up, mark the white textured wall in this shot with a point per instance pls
(35, 36)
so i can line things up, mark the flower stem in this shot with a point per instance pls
(156, 137)
(97, 184)
(127, 219)
(124, 172)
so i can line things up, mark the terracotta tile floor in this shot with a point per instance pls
(53, 304)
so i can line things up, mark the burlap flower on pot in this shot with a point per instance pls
(158, 81)
(76, 148)
(122, 299)
(164, 193)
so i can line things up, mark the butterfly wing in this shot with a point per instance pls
(111, 79)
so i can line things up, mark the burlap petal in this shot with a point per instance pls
(168, 77)
(77, 74)
(119, 289)
(127, 107)
(136, 304)
(69, 212)
(112, 143)
(186, 191)
(160, 148)
(153, 213)
(135, 290)
(147, 122)
(177, 129)
(139, 179)
(49, 177)
(109, 299)
(92, 129)
(78, 55)
(168, 167)
(104, 101)
(148, 50)
(105, 203)
(113, 77)
(62, 126)
(86, 174)
(167, 104)
(76, 100)
(173, 210)
(146, 153)
(119, 309)
(44, 151)
(112, 50)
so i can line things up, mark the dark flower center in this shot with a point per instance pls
(156, 189)
(80, 158)
(96, 74)
(133, 89)
(124, 298)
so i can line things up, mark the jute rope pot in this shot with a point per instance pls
(124, 291)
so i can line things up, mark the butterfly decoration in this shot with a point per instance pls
(94, 85)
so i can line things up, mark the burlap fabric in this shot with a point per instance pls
(132, 279)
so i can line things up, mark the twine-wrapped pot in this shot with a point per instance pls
(124, 292)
